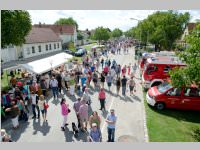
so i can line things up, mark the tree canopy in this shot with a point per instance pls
(162, 28)
(15, 25)
(101, 34)
(191, 73)
(117, 33)
(67, 21)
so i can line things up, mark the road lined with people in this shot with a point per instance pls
(118, 103)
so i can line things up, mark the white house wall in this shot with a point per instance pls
(8, 54)
(27, 49)
(66, 38)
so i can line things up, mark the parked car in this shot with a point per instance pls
(167, 96)
(80, 52)
(69, 52)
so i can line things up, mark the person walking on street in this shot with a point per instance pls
(59, 79)
(111, 121)
(64, 112)
(54, 86)
(109, 80)
(124, 84)
(14, 113)
(118, 85)
(95, 118)
(102, 78)
(83, 114)
(34, 102)
(131, 83)
(95, 134)
(72, 85)
(76, 107)
(102, 62)
(42, 104)
(102, 98)
(43, 87)
(86, 96)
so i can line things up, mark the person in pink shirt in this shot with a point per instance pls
(102, 98)
(64, 111)
(105, 70)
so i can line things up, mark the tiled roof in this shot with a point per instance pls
(41, 35)
(59, 29)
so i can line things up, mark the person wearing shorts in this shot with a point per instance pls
(131, 85)
(41, 105)
(83, 115)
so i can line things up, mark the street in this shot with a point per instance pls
(130, 113)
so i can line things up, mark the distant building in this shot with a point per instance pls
(39, 41)
(67, 33)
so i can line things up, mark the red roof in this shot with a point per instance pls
(41, 35)
(58, 29)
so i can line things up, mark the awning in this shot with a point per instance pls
(46, 64)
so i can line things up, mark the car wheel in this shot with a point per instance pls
(160, 106)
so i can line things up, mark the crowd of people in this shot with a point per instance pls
(31, 93)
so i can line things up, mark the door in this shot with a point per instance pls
(173, 98)
(191, 98)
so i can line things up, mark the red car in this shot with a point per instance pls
(167, 96)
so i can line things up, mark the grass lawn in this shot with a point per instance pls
(89, 46)
(172, 125)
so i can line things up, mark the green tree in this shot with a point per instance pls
(162, 28)
(117, 33)
(101, 34)
(67, 21)
(15, 25)
(79, 36)
(191, 56)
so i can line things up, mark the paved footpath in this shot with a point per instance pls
(130, 126)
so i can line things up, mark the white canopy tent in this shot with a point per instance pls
(46, 64)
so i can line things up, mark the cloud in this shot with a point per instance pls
(93, 18)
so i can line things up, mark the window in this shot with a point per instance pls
(174, 92)
(58, 45)
(39, 49)
(192, 92)
(28, 51)
(33, 49)
(167, 69)
(151, 69)
(54, 46)
(46, 47)
(164, 87)
(49, 46)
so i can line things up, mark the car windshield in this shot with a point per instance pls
(164, 87)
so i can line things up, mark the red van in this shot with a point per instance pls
(157, 69)
(167, 96)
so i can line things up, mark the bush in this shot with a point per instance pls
(71, 46)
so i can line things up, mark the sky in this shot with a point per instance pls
(91, 19)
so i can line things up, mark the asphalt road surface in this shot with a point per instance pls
(130, 126)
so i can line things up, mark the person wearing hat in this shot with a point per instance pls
(111, 121)
(83, 115)
(95, 134)
(4, 136)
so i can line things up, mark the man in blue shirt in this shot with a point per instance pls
(95, 134)
(111, 120)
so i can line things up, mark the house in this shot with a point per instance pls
(189, 28)
(67, 33)
(39, 41)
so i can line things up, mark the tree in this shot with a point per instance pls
(117, 33)
(191, 56)
(101, 34)
(15, 25)
(79, 36)
(162, 28)
(67, 21)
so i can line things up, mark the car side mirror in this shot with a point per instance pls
(168, 93)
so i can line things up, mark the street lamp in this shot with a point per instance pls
(140, 29)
